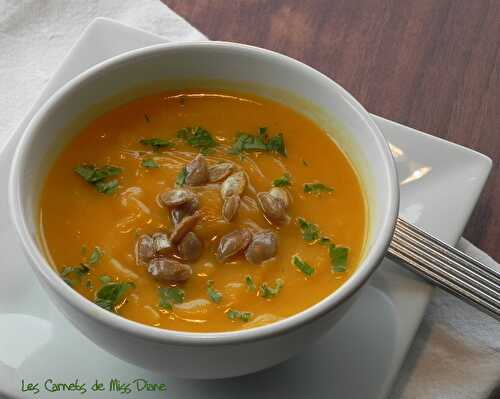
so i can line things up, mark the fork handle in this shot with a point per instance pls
(446, 267)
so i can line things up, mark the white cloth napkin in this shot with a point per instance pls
(456, 353)
(35, 35)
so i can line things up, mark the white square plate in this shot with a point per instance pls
(440, 184)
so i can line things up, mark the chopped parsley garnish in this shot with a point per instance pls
(92, 174)
(282, 181)
(149, 163)
(270, 292)
(157, 143)
(104, 279)
(198, 137)
(146, 117)
(338, 258)
(180, 180)
(88, 284)
(316, 188)
(110, 295)
(324, 241)
(169, 296)
(95, 256)
(84, 249)
(277, 144)
(303, 266)
(96, 177)
(234, 314)
(215, 296)
(250, 284)
(107, 187)
(310, 231)
(304, 162)
(77, 271)
(338, 255)
(246, 142)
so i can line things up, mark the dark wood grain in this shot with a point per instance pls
(430, 64)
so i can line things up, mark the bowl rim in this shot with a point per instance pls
(173, 337)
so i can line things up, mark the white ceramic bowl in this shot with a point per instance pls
(225, 65)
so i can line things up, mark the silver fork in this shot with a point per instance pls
(447, 267)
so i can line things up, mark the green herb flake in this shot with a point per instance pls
(86, 171)
(157, 143)
(77, 272)
(245, 142)
(338, 258)
(96, 177)
(107, 187)
(180, 180)
(88, 284)
(282, 181)
(198, 137)
(310, 231)
(149, 163)
(92, 174)
(215, 296)
(146, 117)
(248, 143)
(68, 281)
(109, 296)
(235, 315)
(270, 292)
(104, 279)
(95, 256)
(277, 144)
(250, 284)
(304, 162)
(169, 296)
(303, 266)
(317, 188)
(84, 250)
(324, 241)
(81, 270)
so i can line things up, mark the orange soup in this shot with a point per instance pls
(203, 211)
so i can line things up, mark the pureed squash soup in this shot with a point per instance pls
(203, 211)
